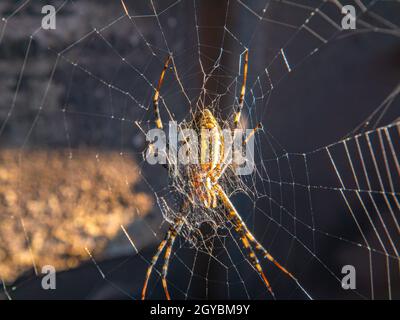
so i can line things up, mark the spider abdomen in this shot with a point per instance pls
(211, 143)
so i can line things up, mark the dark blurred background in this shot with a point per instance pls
(72, 169)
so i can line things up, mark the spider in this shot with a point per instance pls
(203, 181)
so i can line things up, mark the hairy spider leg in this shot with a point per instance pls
(244, 233)
(156, 97)
(242, 91)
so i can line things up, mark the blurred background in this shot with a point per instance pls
(76, 101)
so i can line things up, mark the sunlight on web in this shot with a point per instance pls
(326, 185)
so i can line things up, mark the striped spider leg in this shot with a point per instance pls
(167, 243)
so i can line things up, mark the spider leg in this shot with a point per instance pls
(268, 256)
(217, 174)
(237, 220)
(153, 262)
(212, 196)
(214, 200)
(252, 133)
(243, 231)
(157, 94)
(168, 242)
(125, 8)
(173, 232)
(243, 90)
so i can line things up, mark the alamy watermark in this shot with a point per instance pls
(49, 278)
(189, 147)
(49, 20)
(349, 20)
(349, 280)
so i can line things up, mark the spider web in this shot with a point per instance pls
(324, 193)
